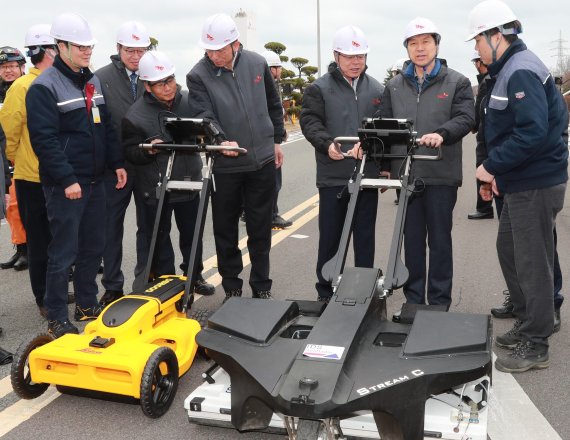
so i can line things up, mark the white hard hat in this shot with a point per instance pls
(38, 35)
(133, 34)
(350, 40)
(154, 66)
(218, 31)
(272, 58)
(420, 26)
(73, 28)
(490, 14)
(398, 66)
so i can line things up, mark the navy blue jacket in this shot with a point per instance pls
(70, 146)
(525, 123)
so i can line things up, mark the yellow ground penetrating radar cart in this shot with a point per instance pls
(142, 343)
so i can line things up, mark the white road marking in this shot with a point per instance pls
(5, 387)
(512, 415)
(299, 236)
(22, 410)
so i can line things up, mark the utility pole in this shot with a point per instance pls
(561, 59)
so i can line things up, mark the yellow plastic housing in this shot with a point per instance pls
(71, 361)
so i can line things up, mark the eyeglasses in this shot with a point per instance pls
(9, 66)
(168, 81)
(359, 57)
(135, 51)
(83, 48)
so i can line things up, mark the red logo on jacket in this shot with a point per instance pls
(376, 101)
(442, 95)
(257, 79)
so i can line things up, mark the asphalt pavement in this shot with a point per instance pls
(477, 287)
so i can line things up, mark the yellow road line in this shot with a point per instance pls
(211, 262)
(277, 238)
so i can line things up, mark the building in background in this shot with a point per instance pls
(247, 30)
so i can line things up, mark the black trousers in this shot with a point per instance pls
(32, 208)
(526, 249)
(258, 191)
(332, 213)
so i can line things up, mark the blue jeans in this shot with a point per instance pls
(78, 236)
(429, 220)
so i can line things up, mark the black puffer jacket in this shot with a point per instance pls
(142, 123)
(332, 108)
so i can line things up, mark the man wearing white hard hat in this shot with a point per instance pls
(72, 135)
(525, 128)
(121, 87)
(31, 201)
(276, 67)
(143, 123)
(440, 102)
(335, 105)
(234, 88)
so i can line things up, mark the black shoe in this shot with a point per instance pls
(262, 294)
(478, 215)
(22, 262)
(230, 293)
(510, 339)
(397, 317)
(506, 310)
(87, 314)
(557, 321)
(525, 356)
(325, 299)
(280, 223)
(10, 263)
(201, 287)
(60, 328)
(109, 296)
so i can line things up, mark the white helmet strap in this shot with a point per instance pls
(69, 56)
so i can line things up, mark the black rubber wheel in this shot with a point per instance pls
(159, 382)
(308, 429)
(200, 315)
(20, 375)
